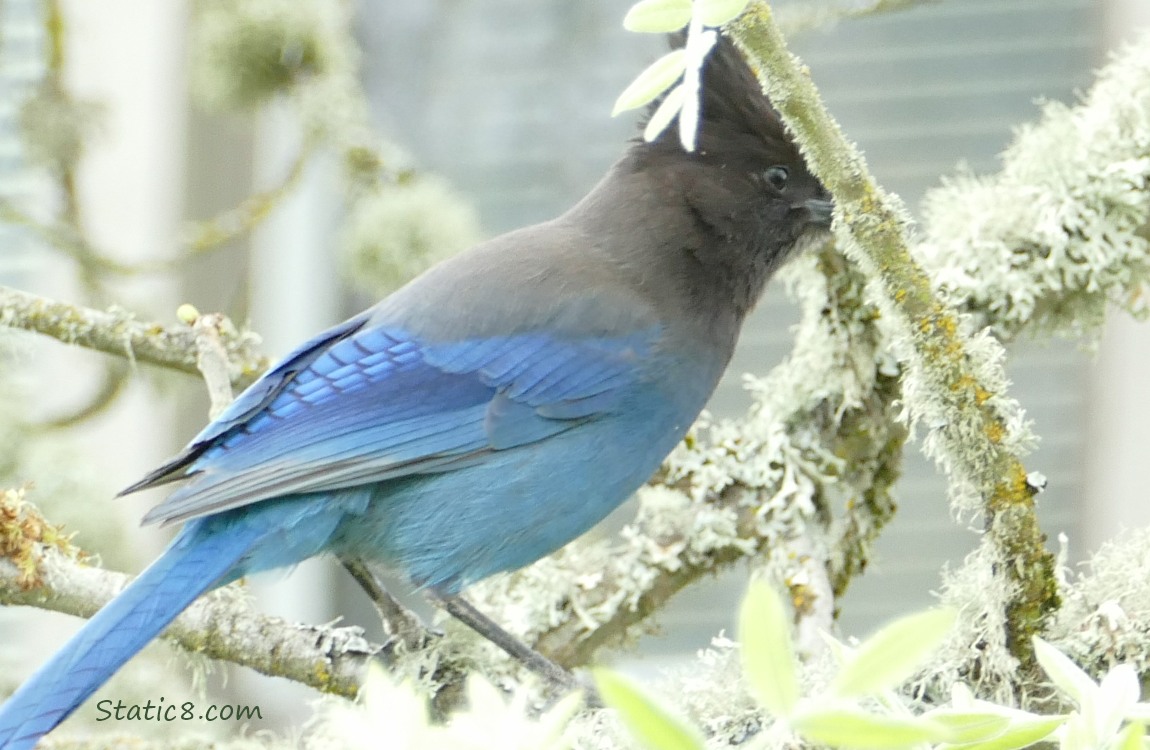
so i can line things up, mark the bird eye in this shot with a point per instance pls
(777, 177)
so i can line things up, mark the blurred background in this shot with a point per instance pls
(121, 124)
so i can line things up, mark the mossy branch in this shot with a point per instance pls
(573, 643)
(871, 229)
(115, 331)
(202, 236)
(221, 625)
(238, 221)
(41, 567)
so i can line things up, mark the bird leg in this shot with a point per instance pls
(399, 622)
(557, 676)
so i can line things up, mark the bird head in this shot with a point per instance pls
(746, 183)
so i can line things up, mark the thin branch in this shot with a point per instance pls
(574, 641)
(203, 236)
(117, 332)
(871, 229)
(1060, 236)
(115, 378)
(56, 58)
(209, 234)
(212, 360)
(221, 625)
(399, 622)
(67, 239)
(41, 567)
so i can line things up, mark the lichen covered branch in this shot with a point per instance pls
(221, 625)
(815, 459)
(115, 331)
(954, 382)
(1062, 232)
(40, 567)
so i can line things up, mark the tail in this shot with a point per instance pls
(197, 560)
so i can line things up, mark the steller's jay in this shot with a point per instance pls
(491, 410)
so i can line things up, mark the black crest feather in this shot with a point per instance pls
(736, 118)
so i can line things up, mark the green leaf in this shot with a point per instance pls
(1130, 738)
(854, 728)
(658, 16)
(1064, 673)
(892, 654)
(653, 726)
(768, 655)
(1117, 695)
(666, 112)
(969, 726)
(1020, 733)
(657, 78)
(719, 12)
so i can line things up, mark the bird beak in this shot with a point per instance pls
(821, 211)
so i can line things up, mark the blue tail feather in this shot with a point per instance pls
(192, 564)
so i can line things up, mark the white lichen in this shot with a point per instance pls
(976, 651)
(1105, 614)
(1062, 229)
(245, 53)
(399, 712)
(396, 231)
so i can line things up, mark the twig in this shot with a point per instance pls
(871, 231)
(212, 361)
(209, 234)
(113, 383)
(40, 567)
(642, 587)
(68, 240)
(116, 332)
(571, 644)
(203, 236)
(812, 595)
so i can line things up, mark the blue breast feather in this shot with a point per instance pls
(361, 404)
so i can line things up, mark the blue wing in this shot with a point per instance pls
(361, 404)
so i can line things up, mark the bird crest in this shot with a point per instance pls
(736, 119)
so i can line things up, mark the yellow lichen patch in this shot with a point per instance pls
(802, 598)
(22, 533)
(323, 675)
(1013, 491)
(964, 381)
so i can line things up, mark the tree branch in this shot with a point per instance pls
(40, 567)
(115, 378)
(116, 331)
(209, 234)
(953, 383)
(212, 357)
(221, 625)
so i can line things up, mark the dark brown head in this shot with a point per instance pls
(747, 186)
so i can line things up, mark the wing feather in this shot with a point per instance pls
(362, 404)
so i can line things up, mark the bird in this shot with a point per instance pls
(491, 410)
